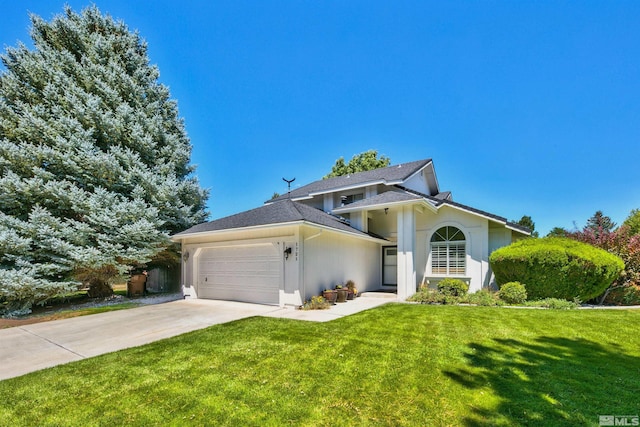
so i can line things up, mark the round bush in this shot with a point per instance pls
(556, 268)
(513, 293)
(453, 287)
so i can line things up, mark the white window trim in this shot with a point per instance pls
(448, 245)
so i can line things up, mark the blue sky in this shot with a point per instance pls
(527, 108)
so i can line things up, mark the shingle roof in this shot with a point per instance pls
(280, 212)
(391, 174)
(445, 195)
(381, 199)
(439, 202)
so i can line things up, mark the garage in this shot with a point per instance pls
(248, 273)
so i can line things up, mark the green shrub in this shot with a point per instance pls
(453, 287)
(483, 297)
(427, 296)
(627, 295)
(316, 303)
(553, 303)
(556, 268)
(513, 293)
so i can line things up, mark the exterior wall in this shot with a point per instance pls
(476, 233)
(330, 258)
(418, 182)
(385, 224)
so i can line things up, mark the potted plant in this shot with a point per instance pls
(343, 293)
(353, 292)
(330, 295)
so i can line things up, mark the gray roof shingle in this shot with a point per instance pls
(381, 199)
(280, 212)
(390, 174)
(439, 202)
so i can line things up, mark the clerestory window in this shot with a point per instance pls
(346, 200)
(448, 251)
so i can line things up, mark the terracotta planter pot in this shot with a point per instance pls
(330, 296)
(136, 285)
(350, 295)
(342, 295)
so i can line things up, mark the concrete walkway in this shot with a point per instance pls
(37, 346)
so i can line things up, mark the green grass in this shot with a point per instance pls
(395, 365)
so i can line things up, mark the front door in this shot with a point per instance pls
(390, 266)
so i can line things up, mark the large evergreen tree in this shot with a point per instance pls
(94, 159)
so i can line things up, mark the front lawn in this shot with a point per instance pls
(395, 365)
(62, 314)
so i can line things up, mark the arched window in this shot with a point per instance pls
(448, 251)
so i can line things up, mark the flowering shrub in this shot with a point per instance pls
(316, 303)
(623, 243)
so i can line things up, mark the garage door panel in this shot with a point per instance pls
(249, 273)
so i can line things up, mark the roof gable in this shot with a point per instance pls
(446, 201)
(390, 175)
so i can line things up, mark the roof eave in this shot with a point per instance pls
(518, 230)
(347, 209)
(355, 233)
(501, 221)
(179, 237)
(351, 187)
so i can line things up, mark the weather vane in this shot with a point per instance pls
(288, 181)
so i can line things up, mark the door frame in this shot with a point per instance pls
(384, 250)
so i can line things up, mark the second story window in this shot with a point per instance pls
(345, 200)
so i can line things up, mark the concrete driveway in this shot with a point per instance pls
(29, 348)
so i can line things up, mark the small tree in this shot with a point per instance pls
(599, 223)
(526, 221)
(362, 162)
(621, 242)
(557, 232)
(633, 222)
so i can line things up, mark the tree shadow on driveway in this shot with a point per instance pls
(550, 381)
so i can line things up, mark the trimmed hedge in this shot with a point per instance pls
(556, 268)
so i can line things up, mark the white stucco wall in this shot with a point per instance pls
(330, 258)
(418, 182)
(476, 230)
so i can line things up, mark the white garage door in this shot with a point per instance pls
(240, 273)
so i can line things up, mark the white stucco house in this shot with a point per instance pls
(389, 228)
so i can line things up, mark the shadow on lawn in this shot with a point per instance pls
(550, 381)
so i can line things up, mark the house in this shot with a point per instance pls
(387, 228)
